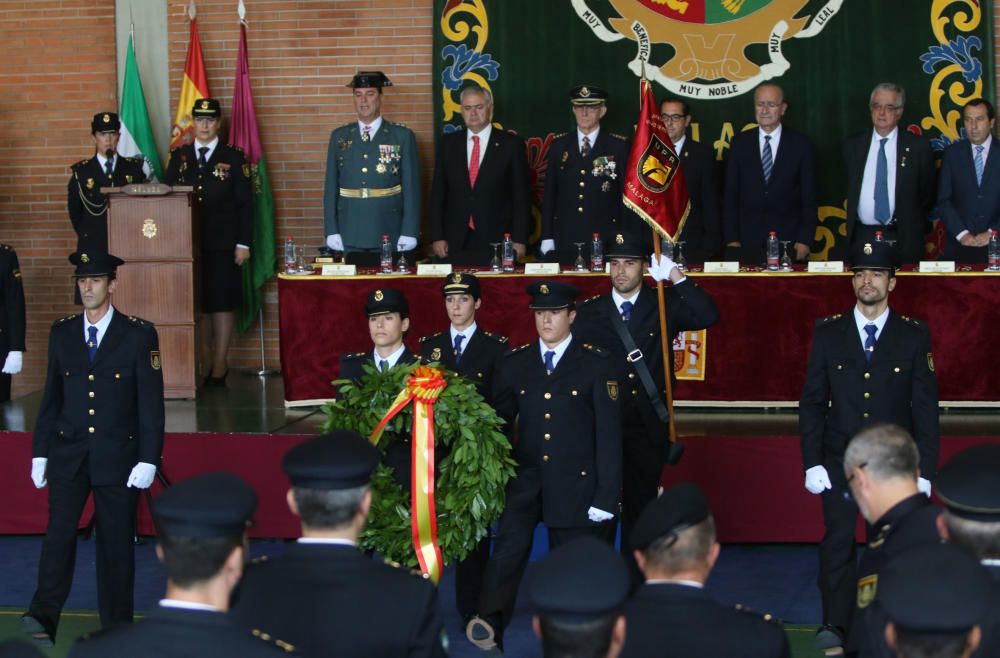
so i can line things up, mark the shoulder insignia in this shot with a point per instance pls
(518, 349)
(590, 299)
(81, 163)
(134, 159)
(349, 124)
(559, 135)
(425, 338)
(5, 246)
(260, 559)
(354, 355)
(621, 137)
(267, 637)
(595, 349)
(867, 587)
(915, 322)
(496, 337)
(768, 617)
(236, 148)
(830, 318)
(139, 321)
(65, 319)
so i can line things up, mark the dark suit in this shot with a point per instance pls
(96, 422)
(670, 620)
(333, 600)
(897, 386)
(914, 191)
(702, 234)
(88, 209)
(965, 205)
(499, 203)
(177, 633)
(12, 318)
(785, 204)
(990, 644)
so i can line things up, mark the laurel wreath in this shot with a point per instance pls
(469, 480)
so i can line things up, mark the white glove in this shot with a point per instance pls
(141, 476)
(660, 271)
(38, 465)
(12, 365)
(817, 480)
(547, 246)
(335, 242)
(924, 486)
(405, 243)
(599, 515)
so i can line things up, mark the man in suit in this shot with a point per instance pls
(671, 615)
(99, 431)
(481, 187)
(702, 233)
(559, 397)
(221, 178)
(583, 181)
(770, 183)
(969, 187)
(12, 319)
(893, 198)
(201, 535)
(372, 178)
(88, 207)
(325, 595)
(388, 321)
(869, 365)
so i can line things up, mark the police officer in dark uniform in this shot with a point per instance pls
(221, 179)
(671, 614)
(866, 366)
(12, 319)
(388, 321)
(99, 431)
(324, 595)
(88, 207)
(559, 397)
(583, 182)
(201, 528)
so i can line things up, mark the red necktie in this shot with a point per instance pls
(473, 172)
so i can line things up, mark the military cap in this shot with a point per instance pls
(552, 295)
(94, 264)
(874, 255)
(969, 483)
(935, 589)
(341, 459)
(581, 580)
(587, 95)
(678, 508)
(209, 505)
(626, 245)
(206, 107)
(363, 79)
(461, 284)
(104, 122)
(387, 300)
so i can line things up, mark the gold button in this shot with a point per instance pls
(580, 197)
(583, 473)
(90, 394)
(90, 411)
(896, 369)
(364, 170)
(545, 458)
(67, 373)
(118, 376)
(522, 391)
(631, 375)
(635, 392)
(582, 184)
(548, 436)
(479, 374)
(840, 367)
(90, 378)
(867, 395)
(365, 156)
(865, 414)
(548, 396)
(90, 429)
(580, 209)
(583, 172)
(548, 416)
(868, 375)
(573, 392)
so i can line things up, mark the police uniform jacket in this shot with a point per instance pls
(111, 411)
(990, 626)
(221, 193)
(12, 320)
(673, 620)
(389, 159)
(568, 441)
(179, 633)
(331, 599)
(479, 356)
(88, 210)
(352, 365)
(897, 386)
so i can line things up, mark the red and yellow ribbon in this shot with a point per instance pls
(422, 387)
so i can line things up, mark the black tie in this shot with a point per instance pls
(91, 343)
(202, 160)
(109, 167)
(383, 365)
(458, 347)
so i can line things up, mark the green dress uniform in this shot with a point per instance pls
(12, 318)
(88, 206)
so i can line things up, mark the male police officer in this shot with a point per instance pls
(12, 319)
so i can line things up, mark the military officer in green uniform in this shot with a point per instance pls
(372, 178)
(12, 319)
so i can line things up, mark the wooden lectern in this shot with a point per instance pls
(150, 228)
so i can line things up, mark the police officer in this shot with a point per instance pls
(201, 528)
(372, 178)
(12, 320)
(388, 321)
(325, 595)
(88, 207)
(866, 366)
(99, 431)
(675, 544)
(221, 179)
(560, 396)
(583, 182)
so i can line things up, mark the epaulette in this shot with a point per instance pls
(81, 163)
(621, 137)
(133, 159)
(768, 617)
(266, 637)
(500, 339)
(394, 123)
(600, 351)
(559, 135)
(259, 560)
(518, 349)
(138, 321)
(829, 318)
(423, 338)
(915, 322)
(353, 355)
(6, 247)
(61, 320)
(590, 299)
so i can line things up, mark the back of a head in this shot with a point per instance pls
(885, 452)
(675, 532)
(969, 486)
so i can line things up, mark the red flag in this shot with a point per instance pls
(194, 86)
(654, 183)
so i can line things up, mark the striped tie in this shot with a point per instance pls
(767, 159)
(979, 164)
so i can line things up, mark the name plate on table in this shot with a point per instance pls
(825, 267)
(339, 269)
(722, 267)
(432, 269)
(541, 268)
(937, 266)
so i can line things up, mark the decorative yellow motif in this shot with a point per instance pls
(149, 228)
(949, 82)
(457, 30)
(832, 223)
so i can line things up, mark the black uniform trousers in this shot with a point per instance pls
(642, 463)
(838, 554)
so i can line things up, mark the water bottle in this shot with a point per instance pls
(596, 254)
(993, 251)
(386, 259)
(508, 253)
(879, 236)
(290, 264)
(772, 251)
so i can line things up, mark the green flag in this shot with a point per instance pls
(136, 134)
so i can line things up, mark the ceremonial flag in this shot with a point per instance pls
(654, 183)
(194, 85)
(244, 134)
(136, 133)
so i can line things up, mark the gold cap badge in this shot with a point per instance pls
(584, 92)
(84, 258)
(204, 104)
(107, 118)
(544, 289)
(620, 239)
(868, 249)
(379, 296)
(457, 278)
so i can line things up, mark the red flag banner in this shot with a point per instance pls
(194, 86)
(654, 183)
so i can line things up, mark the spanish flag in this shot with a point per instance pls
(194, 85)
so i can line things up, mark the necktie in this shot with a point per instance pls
(549, 365)
(870, 329)
(767, 158)
(91, 343)
(882, 184)
(109, 166)
(585, 149)
(366, 135)
(979, 164)
(473, 172)
(202, 160)
(627, 311)
(383, 365)
(458, 347)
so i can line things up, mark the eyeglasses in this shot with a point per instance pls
(770, 105)
(878, 107)
(859, 467)
(673, 118)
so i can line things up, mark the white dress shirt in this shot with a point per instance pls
(102, 326)
(775, 136)
(467, 332)
(862, 322)
(211, 148)
(592, 138)
(559, 349)
(392, 358)
(372, 127)
(866, 202)
(329, 541)
(484, 138)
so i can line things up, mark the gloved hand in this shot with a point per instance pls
(660, 271)
(599, 515)
(335, 242)
(547, 246)
(141, 476)
(924, 486)
(12, 365)
(817, 480)
(38, 465)
(405, 243)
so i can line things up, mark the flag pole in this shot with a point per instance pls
(668, 368)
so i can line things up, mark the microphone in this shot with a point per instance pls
(109, 153)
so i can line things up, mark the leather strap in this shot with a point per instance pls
(635, 356)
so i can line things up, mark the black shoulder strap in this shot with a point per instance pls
(635, 356)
